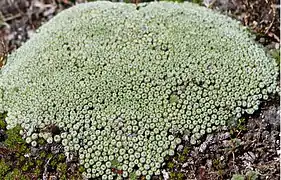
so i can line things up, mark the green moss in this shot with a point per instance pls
(2, 121)
(61, 157)
(181, 158)
(39, 162)
(115, 163)
(17, 154)
(276, 55)
(62, 168)
(31, 163)
(53, 163)
(23, 148)
(4, 168)
(173, 175)
(171, 165)
(185, 151)
(14, 140)
(49, 156)
(25, 167)
(43, 154)
(133, 176)
(37, 171)
(2, 124)
(197, 1)
(180, 176)
(41, 141)
(241, 126)
(81, 169)
(15, 174)
(63, 177)
(21, 159)
(217, 164)
(238, 128)
(220, 172)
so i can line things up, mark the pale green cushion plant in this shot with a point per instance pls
(124, 83)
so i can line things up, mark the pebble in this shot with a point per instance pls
(165, 175)
(250, 156)
(185, 165)
(180, 148)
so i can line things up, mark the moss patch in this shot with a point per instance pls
(18, 161)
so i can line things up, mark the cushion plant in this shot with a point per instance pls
(124, 83)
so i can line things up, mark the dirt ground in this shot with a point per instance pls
(20, 18)
(250, 150)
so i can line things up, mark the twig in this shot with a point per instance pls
(45, 169)
(271, 34)
(269, 27)
(12, 17)
(209, 5)
(238, 133)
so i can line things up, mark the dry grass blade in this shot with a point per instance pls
(3, 52)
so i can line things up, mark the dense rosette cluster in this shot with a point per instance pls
(121, 83)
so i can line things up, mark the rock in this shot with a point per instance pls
(249, 156)
(180, 148)
(165, 175)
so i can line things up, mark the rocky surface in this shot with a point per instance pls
(253, 146)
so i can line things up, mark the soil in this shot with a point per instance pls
(250, 149)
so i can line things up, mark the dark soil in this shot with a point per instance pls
(251, 149)
(262, 16)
